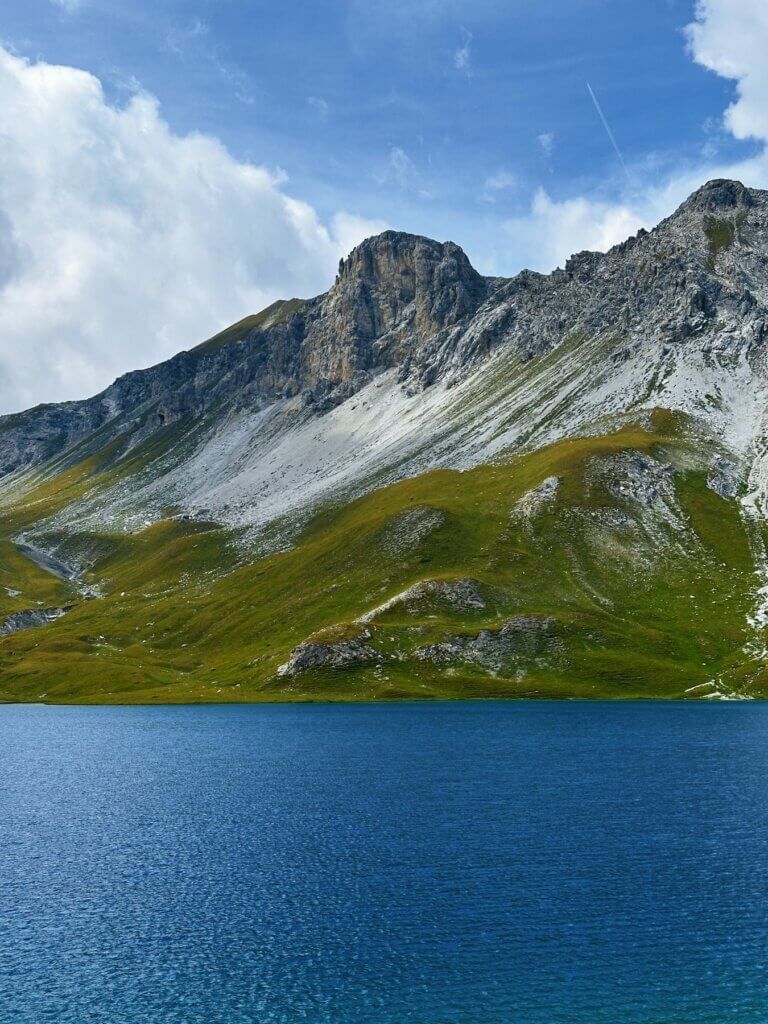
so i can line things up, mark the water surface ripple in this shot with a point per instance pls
(465, 863)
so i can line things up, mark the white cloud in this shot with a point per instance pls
(400, 165)
(179, 37)
(462, 58)
(547, 143)
(551, 231)
(500, 180)
(730, 37)
(402, 171)
(122, 243)
(70, 6)
(349, 230)
(496, 183)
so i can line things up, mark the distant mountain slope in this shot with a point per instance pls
(217, 505)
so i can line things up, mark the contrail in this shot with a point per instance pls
(609, 133)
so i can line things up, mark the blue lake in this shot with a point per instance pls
(437, 863)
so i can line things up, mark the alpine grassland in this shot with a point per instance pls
(452, 584)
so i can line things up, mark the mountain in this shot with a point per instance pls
(423, 483)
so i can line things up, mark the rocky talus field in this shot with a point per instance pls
(424, 483)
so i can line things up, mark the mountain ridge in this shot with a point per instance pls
(423, 482)
(328, 381)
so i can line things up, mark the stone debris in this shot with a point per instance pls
(313, 655)
(537, 499)
(463, 595)
(527, 636)
(723, 477)
(638, 478)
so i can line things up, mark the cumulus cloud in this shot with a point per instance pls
(122, 242)
(9, 251)
(730, 37)
(349, 230)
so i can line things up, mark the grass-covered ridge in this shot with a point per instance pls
(451, 584)
(276, 313)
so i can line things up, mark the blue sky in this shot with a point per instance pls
(317, 123)
(437, 117)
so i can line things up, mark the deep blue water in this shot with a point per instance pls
(437, 863)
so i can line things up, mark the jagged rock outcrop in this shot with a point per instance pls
(392, 293)
(316, 655)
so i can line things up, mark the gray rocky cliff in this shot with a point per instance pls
(417, 306)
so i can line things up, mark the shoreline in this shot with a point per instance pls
(693, 701)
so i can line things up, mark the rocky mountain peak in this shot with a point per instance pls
(393, 293)
(376, 256)
(394, 271)
(696, 284)
(720, 195)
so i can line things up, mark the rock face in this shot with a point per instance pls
(688, 298)
(344, 654)
(31, 619)
(537, 499)
(394, 293)
(495, 649)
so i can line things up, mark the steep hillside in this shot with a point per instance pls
(422, 483)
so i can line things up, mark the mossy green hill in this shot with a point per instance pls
(598, 566)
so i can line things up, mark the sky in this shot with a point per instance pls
(169, 166)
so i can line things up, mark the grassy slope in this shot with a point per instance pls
(276, 313)
(636, 613)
